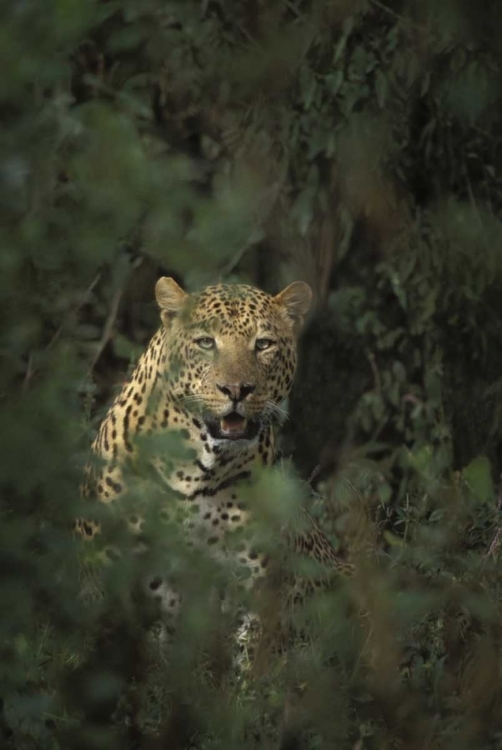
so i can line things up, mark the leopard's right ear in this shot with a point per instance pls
(170, 298)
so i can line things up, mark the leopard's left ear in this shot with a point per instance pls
(295, 300)
(170, 298)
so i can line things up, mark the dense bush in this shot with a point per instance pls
(355, 145)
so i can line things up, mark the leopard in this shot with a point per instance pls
(216, 373)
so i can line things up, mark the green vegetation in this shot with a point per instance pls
(355, 145)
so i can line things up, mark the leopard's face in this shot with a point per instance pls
(231, 353)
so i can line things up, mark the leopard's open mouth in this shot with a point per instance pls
(233, 426)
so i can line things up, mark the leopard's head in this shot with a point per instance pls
(230, 352)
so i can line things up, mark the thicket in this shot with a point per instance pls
(355, 145)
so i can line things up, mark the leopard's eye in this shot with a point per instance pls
(206, 342)
(262, 344)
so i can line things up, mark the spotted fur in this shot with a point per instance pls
(216, 372)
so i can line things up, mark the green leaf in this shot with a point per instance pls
(478, 475)
(384, 493)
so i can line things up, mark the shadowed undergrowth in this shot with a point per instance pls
(356, 146)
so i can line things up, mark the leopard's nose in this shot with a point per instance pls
(236, 391)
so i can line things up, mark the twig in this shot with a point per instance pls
(399, 16)
(314, 474)
(30, 370)
(108, 329)
(80, 304)
(495, 544)
(388, 10)
(374, 369)
(497, 539)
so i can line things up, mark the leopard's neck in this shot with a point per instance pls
(204, 467)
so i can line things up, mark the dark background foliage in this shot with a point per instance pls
(355, 145)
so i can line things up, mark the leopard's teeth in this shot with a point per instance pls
(228, 427)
